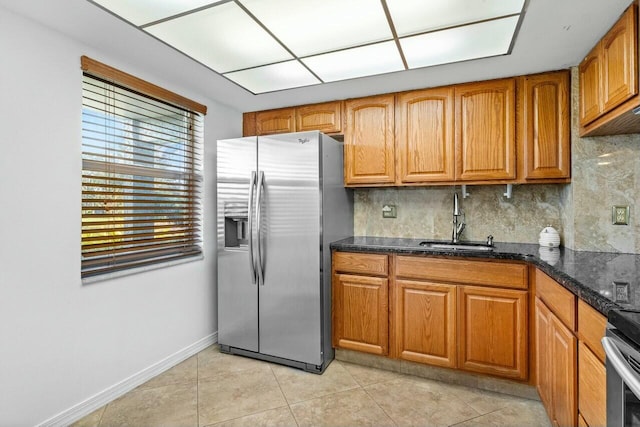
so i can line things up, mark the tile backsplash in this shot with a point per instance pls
(605, 172)
(425, 212)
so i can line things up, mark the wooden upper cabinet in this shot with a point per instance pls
(326, 117)
(619, 56)
(249, 124)
(590, 97)
(369, 143)
(275, 121)
(493, 331)
(425, 322)
(543, 123)
(485, 131)
(609, 81)
(424, 136)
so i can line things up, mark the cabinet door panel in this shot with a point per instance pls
(590, 94)
(485, 130)
(325, 117)
(493, 331)
(543, 354)
(369, 145)
(619, 69)
(545, 125)
(424, 136)
(275, 121)
(592, 387)
(360, 313)
(425, 328)
(249, 124)
(564, 374)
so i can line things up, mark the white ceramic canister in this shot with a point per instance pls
(549, 237)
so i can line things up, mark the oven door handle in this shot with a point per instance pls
(616, 359)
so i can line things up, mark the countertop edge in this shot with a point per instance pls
(588, 295)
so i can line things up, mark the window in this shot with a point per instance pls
(141, 172)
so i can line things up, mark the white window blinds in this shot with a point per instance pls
(141, 174)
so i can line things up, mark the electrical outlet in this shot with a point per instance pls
(389, 211)
(620, 215)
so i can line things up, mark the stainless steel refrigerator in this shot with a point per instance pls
(281, 202)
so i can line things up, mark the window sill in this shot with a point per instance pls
(129, 272)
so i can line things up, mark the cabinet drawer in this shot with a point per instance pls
(592, 387)
(591, 328)
(561, 301)
(496, 274)
(369, 264)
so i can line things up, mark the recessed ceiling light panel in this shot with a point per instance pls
(481, 40)
(356, 62)
(269, 78)
(140, 12)
(222, 37)
(316, 26)
(419, 16)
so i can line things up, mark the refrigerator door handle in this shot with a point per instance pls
(252, 263)
(260, 186)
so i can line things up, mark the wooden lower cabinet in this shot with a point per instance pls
(434, 311)
(556, 366)
(425, 322)
(592, 387)
(592, 376)
(493, 331)
(361, 313)
(543, 353)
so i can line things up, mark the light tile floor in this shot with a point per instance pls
(215, 389)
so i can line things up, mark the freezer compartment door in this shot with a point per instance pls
(237, 287)
(290, 250)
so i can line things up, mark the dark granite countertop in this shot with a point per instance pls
(602, 279)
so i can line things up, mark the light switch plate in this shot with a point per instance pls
(389, 211)
(620, 215)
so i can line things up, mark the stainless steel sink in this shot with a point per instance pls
(462, 246)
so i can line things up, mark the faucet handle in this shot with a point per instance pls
(489, 240)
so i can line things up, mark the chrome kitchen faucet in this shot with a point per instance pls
(458, 225)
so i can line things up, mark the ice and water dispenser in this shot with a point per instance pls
(236, 224)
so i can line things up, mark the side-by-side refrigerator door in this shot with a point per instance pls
(237, 280)
(290, 247)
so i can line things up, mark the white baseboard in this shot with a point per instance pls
(97, 401)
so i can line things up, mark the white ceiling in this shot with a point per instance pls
(270, 45)
(554, 34)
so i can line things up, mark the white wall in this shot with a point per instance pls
(62, 342)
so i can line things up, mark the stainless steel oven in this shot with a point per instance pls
(623, 378)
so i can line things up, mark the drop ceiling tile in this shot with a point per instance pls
(140, 12)
(481, 40)
(310, 27)
(418, 16)
(268, 78)
(361, 61)
(223, 38)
